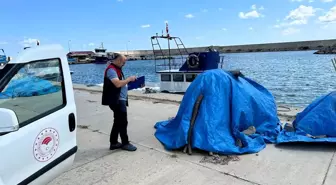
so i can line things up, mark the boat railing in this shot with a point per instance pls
(333, 61)
(170, 63)
(176, 62)
(173, 58)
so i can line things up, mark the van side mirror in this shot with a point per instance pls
(9, 121)
(9, 59)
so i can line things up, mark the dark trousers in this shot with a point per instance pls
(120, 123)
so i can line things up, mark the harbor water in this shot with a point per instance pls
(294, 78)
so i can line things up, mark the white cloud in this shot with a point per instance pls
(28, 42)
(145, 26)
(327, 1)
(250, 28)
(254, 7)
(3, 42)
(120, 0)
(310, 1)
(293, 23)
(301, 13)
(330, 16)
(251, 14)
(224, 29)
(290, 31)
(298, 16)
(189, 16)
(91, 44)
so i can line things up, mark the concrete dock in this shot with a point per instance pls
(152, 164)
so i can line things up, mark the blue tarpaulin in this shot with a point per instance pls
(230, 105)
(28, 86)
(316, 123)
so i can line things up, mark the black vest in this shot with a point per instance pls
(111, 94)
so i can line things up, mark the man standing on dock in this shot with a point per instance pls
(115, 96)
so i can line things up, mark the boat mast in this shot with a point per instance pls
(155, 42)
(168, 38)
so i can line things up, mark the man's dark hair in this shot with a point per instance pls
(116, 56)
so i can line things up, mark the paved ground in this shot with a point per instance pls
(151, 164)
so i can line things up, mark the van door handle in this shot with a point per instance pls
(72, 122)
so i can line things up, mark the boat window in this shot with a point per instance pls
(190, 77)
(33, 90)
(178, 77)
(165, 77)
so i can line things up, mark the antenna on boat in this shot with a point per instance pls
(168, 38)
(167, 30)
(159, 54)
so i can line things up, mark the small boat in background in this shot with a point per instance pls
(100, 56)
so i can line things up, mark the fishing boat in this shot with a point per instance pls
(101, 56)
(3, 57)
(177, 68)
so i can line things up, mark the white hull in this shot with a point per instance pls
(174, 87)
(176, 81)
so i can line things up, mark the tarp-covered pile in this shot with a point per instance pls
(316, 123)
(28, 86)
(235, 116)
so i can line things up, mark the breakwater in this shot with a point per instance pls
(266, 47)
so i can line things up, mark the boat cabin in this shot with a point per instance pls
(177, 68)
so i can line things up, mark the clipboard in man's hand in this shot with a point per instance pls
(138, 83)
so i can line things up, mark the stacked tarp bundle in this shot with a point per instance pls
(316, 123)
(230, 107)
(27, 87)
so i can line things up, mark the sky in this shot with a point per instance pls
(129, 24)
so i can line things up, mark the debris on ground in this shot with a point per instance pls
(289, 127)
(83, 126)
(250, 131)
(219, 159)
(91, 101)
(149, 90)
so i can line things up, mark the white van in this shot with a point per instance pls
(37, 117)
